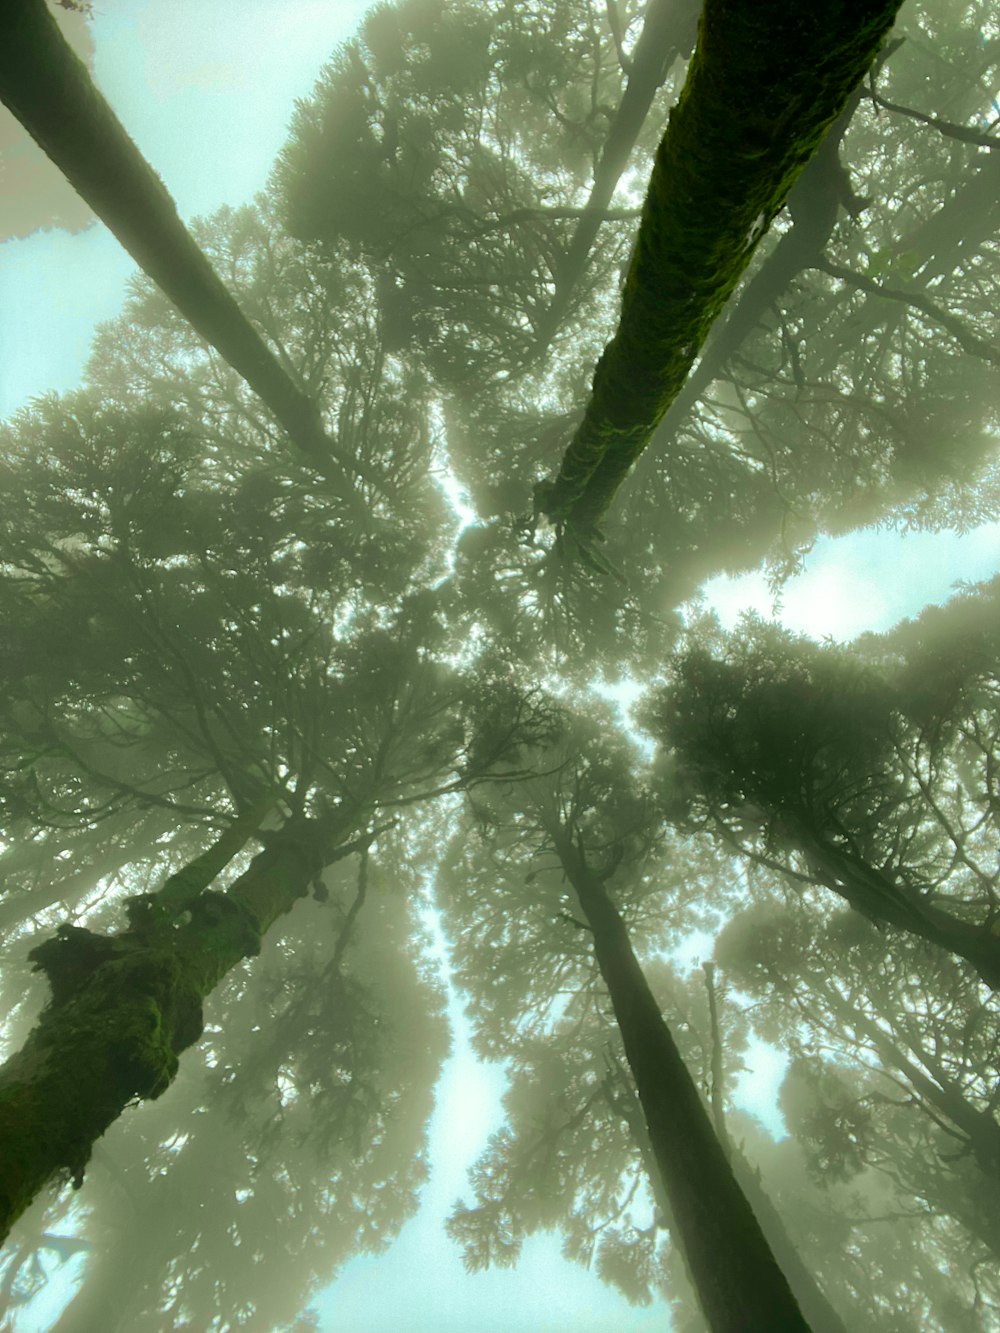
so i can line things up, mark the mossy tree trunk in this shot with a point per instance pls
(739, 1283)
(766, 81)
(820, 192)
(125, 1006)
(49, 90)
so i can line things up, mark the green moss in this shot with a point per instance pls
(765, 83)
(120, 1014)
(124, 1007)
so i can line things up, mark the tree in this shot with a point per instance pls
(233, 686)
(321, 1079)
(49, 90)
(594, 825)
(816, 761)
(462, 136)
(209, 660)
(733, 162)
(885, 1076)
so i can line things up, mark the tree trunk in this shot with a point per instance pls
(878, 897)
(765, 83)
(812, 1299)
(124, 1006)
(814, 205)
(739, 1284)
(51, 93)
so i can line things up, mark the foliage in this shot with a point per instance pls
(195, 623)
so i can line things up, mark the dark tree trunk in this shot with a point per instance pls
(51, 93)
(812, 1299)
(765, 83)
(877, 896)
(739, 1284)
(814, 204)
(125, 1006)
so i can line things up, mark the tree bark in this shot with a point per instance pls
(739, 1284)
(814, 203)
(125, 1006)
(765, 83)
(51, 93)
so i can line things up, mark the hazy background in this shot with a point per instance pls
(206, 87)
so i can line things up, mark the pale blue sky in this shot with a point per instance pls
(868, 581)
(206, 88)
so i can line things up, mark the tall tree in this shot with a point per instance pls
(814, 760)
(763, 87)
(50, 91)
(584, 813)
(886, 1075)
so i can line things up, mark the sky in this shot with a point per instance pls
(206, 88)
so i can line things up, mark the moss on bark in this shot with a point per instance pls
(766, 81)
(125, 1006)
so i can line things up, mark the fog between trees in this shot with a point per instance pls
(264, 702)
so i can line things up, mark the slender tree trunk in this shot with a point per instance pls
(740, 1286)
(51, 93)
(124, 1006)
(766, 81)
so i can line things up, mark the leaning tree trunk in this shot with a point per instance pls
(766, 81)
(125, 1006)
(50, 92)
(880, 898)
(739, 1284)
(814, 203)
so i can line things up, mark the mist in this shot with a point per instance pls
(499, 575)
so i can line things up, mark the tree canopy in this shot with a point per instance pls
(312, 596)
